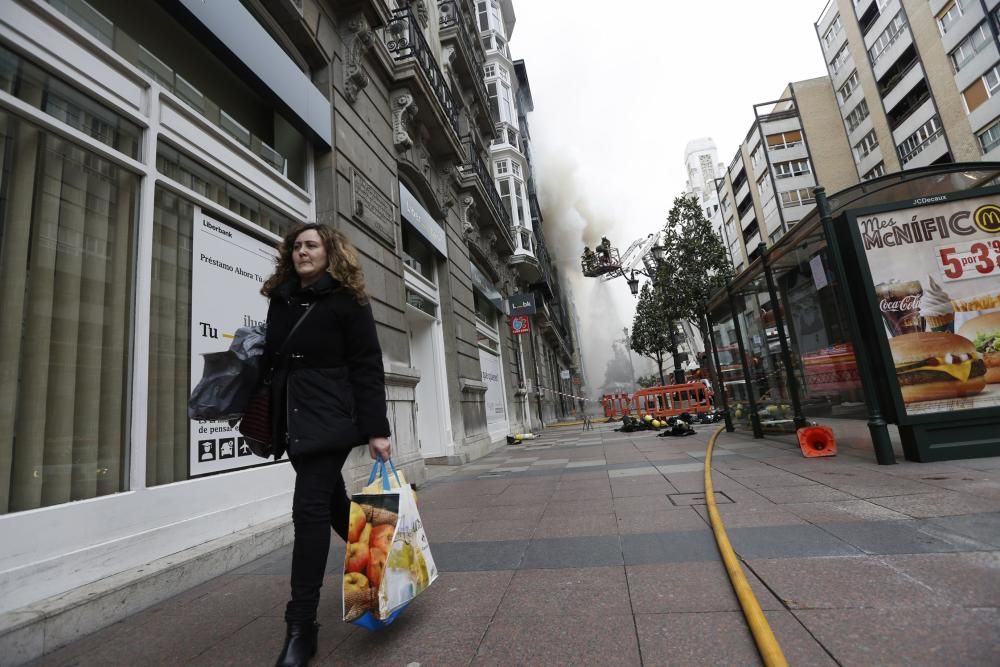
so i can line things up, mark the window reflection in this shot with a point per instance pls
(67, 221)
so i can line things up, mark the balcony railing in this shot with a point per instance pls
(452, 16)
(548, 273)
(778, 115)
(476, 165)
(405, 40)
(555, 317)
(900, 30)
(909, 150)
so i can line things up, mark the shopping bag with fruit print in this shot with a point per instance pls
(388, 561)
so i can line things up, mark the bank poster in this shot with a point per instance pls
(227, 270)
(496, 410)
(936, 278)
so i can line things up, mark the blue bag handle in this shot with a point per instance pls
(378, 468)
(371, 477)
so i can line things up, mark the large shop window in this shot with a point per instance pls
(168, 428)
(418, 254)
(67, 227)
(53, 96)
(169, 341)
(175, 165)
(153, 40)
(485, 312)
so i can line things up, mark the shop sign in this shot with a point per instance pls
(519, 325)
(228, 269)
(564, 374)
(373, 209)
(522, 303)
(422, 221)
(935, 282)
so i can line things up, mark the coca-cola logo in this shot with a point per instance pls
(911, 302)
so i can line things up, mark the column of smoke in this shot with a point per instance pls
(572, 219)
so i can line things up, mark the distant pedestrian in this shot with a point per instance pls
(332, 367)
(588, 423)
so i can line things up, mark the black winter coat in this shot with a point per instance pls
(331, 371)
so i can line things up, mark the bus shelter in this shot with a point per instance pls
(877, 306)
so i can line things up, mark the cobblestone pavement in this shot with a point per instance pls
(593, 548)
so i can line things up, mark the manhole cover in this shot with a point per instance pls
(688, 499)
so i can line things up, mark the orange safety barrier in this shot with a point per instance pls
(672, 400)
(615, 405)
(817, 441)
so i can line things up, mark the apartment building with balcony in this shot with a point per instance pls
(914, 80)
(141, 138)
(553, 349)
(794, 142)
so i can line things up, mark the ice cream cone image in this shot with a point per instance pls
(937, 309)
(945, 322)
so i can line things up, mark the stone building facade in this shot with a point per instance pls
(148, 144)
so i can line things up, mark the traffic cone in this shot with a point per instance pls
(817, 441)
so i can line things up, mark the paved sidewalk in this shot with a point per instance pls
(593, 548)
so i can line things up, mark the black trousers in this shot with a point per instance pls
(320, 502)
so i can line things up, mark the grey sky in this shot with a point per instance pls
(619, 90)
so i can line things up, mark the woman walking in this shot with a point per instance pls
(328, 375)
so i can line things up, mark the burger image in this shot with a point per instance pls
(984, 332)
(937, 365)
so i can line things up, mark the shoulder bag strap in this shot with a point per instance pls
(280, 354)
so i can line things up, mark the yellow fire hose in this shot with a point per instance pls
(767, 645)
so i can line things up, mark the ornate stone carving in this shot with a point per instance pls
(404, 110)
(446, 177)
(468, 212)
(448, 55)
(423, 158)
(419, 8)
(358, 38)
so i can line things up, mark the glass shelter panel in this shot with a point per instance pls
(730, 362)
(767, 370)
(819, 330)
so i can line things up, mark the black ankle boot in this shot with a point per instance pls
(300, 645)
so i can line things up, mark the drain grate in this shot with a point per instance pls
(688, 499)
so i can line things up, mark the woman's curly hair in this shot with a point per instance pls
(341, 253)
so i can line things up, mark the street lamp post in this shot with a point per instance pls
(633, 284)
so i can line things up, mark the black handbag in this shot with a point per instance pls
(256, 425)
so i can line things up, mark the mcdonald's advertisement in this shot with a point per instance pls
(936, 279)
